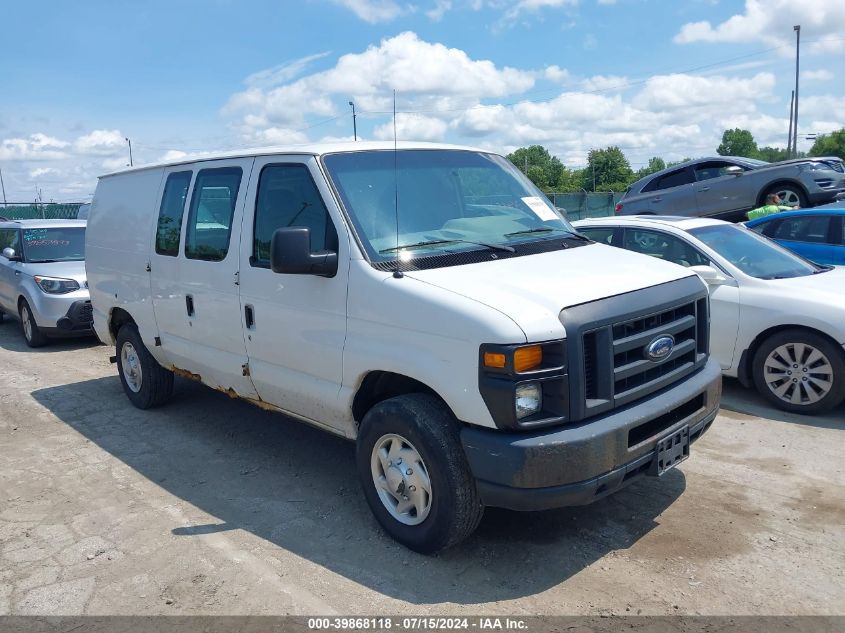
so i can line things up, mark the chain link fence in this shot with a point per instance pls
(45, 211)
(586, 204)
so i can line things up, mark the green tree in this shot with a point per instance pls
(737, 142)
(607, 170)
(655, 164)
(772, 154)
(832, 144)
(543, 169)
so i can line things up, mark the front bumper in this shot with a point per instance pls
(578, 464)
(77, 321)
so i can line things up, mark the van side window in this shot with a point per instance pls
(169, 229)
(287, 197)
(212, 209)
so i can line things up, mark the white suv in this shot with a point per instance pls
(427, 302)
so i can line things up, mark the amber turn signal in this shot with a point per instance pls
(492, 359)
(527, 358)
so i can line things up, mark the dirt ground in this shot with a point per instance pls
(213, 506)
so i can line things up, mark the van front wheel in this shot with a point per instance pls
(146, 383)
(415, 475)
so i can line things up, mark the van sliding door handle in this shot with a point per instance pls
(189, 304)
(249, 316)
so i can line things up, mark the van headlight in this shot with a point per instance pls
(528, 399)
(56, 285)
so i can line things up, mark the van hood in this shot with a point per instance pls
(65, 270)
(533, 289)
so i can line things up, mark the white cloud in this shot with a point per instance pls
(439, 10)
(771, 22)
(532, 6)
(101, 142)
(37, 146)
(816, 75)
(282, 73)
(425, 76)
(555, 73)
(688, 91)
(605, 83)
(372, 11)
(415, 127)
(42, 171)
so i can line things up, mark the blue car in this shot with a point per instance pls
(817, 234)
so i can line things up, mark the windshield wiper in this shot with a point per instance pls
(43, 261)
(576, 236)
(822, 269)
(492, 247)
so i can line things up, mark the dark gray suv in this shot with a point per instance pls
(728, 186)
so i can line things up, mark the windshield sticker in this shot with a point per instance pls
(543, 211)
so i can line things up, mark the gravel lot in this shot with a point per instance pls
(212, 506)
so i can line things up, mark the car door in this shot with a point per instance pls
(810, 236)
(205, 295)
(672, 193)
(294, 325)
(719, 192)
(724, 297)
(840, 247)
(9, 238)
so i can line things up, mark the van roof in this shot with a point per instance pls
(311, 149)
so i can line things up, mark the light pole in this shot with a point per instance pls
(131, 163)
(354, 122)
(797, 29)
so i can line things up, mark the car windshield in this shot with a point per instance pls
(54, 244)
(448, 201)
(754, 254)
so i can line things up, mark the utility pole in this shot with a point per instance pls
(797, 29)
(3, 186)
(354, 122)
(131, 163)
(789, 140)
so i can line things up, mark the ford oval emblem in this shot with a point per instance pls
(660, 348)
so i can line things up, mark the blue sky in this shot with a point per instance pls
(655, 77)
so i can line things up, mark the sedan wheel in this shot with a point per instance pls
(790, 196)
(800, 371)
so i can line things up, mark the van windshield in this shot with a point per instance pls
(54, 244)
(448, 201)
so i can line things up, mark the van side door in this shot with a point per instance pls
(294, 325)
(200, 321)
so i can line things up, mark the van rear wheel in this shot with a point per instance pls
(146, 383)
(415, 475)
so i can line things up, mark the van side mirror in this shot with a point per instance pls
(290, 253)
(11, 255)
(734, 170)
(710, 275)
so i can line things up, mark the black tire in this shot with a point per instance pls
(455, 505)
(835, 360)
(156, 382)
(795, 190)
(32, 334)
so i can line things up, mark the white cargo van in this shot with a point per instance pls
(427, 302)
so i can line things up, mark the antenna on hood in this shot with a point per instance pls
(396, 273)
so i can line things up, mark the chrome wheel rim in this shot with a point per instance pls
(401, 479)
(131, 365)
(798, 373)
(789, 198)
(26, 321)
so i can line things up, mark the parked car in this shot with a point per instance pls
(729, 186)
(412, 300)
(817, 234)
(42, 278)
(778, 320)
